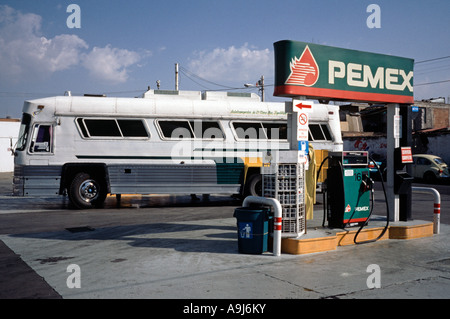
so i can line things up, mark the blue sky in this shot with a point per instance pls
(124, 46)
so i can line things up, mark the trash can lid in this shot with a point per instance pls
(250, 213)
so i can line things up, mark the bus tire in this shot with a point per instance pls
(253, 186)
(86, 191)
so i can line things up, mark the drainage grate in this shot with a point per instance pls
(80, 229)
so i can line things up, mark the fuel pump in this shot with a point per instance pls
(349, 188)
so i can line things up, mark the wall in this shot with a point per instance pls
(375, 145)
(440, 118)
(9, 132)
(436, 144)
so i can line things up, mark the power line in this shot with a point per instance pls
(435, 59)
(191, 75)
(429, 83)
(190, 78)
(433, 69)
(202, 79)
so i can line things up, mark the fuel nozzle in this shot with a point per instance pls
(366, 183)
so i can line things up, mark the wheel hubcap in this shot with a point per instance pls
(88, 190)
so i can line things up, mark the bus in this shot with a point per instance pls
(164, 142)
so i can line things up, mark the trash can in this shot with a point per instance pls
(253, 229)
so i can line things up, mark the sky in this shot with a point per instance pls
(122, 47)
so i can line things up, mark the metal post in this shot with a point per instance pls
(437, 205)
(393, 141)
(406, 140)
(176, 76)
(262, 87)
(277, 211)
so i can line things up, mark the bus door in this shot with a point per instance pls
(41, 139)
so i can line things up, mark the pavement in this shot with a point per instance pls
(199, 259)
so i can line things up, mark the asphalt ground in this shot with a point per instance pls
(159, 247)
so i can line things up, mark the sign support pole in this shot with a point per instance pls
(406, 140)
(393, 141)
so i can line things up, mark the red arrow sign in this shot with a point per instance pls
(303, 106)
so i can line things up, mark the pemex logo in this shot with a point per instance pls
(304, 70)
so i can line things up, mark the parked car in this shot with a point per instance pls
(430, 168)
(374, 173)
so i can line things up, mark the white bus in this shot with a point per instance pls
(167, 142)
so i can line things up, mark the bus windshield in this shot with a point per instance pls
(23, 132)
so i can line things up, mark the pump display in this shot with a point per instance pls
(348, 189)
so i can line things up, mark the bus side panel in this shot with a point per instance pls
(167, 179)
(37, 180)
(230, 173)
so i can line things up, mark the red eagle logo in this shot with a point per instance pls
(304, 70)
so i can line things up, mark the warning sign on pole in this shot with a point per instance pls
(302, 109)
(302, 128)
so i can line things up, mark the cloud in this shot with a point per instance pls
(233, 64)
(24, 52)
(109, 63)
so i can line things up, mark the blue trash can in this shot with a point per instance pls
(253, 229)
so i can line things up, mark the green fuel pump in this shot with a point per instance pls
(348, 189)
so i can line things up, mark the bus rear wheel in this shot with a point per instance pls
(86, 191)
(253, 187)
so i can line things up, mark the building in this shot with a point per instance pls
(9, 132)
(364, 128)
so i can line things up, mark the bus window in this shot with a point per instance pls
(249, 130)
(82, 127)
(275, 131)
(108, 128)
(42, 138)
(132, 128)
(326, 131)
(207, 130)
(103, 128)
(319, 132)
(23, 132)
(176, 129)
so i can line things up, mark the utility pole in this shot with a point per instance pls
(261, 85)
(176, 76)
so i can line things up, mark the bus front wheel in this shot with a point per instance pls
(86, 191)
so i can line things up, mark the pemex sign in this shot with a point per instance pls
(324, 72)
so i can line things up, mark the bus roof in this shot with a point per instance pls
(145, 107)
(170, 104)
